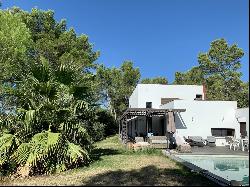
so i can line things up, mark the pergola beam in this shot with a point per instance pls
(131, 112)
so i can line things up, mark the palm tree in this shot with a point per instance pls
(49, 132)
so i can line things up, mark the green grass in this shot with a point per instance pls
(112, 164)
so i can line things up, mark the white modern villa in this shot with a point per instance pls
(150, 105)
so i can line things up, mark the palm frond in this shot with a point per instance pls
(76, 153)
(26, 120)
(80, 104)
(29, 116)
(7, 145)
(76, 133)
(41, 146)
(45, 144)
(60, 167)
(6, 142)
(53, 140)
(22, 153)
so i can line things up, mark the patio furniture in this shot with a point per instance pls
(196, 141)
(229, 139)
(150, 134)
(211, 141)
(180, 140)
(244, 144)
(160, 142)
(182, 145)
(235, 144)
(139, 139)
(139, 143)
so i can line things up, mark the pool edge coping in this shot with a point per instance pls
(211, 176)
(215, 155)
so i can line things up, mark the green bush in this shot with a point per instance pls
(108, 120)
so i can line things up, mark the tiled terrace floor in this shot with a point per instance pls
(218, 150)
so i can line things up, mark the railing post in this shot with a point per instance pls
(166, 132)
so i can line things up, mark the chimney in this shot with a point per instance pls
(204, 90)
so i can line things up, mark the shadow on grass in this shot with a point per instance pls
(98, 152)
(149, 175)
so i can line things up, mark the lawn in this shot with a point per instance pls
(113, 165)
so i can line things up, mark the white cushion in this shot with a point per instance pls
(159, 141)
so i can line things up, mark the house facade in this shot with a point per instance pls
(242, 115)
(193, 114)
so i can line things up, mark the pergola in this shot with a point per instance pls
(130, 113)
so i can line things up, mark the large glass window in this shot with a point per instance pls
(220, 132)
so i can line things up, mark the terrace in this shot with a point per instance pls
(218, 150)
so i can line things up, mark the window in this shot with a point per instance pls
(198, 97)
(220, 132)
(148, 104)
(243, 129)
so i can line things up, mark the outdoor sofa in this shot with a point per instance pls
(139, 139)
(211, 141)
(160, 142)
(195, 141)
(139, 143)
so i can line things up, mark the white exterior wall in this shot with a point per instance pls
(242, 115)
(133, 99)
(201, 116)
(154, 92)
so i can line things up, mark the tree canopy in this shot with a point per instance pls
(15, 41)
(117, 85)
(193, 76)
(218, 69)
(156, 80)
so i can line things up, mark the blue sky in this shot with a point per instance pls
(159, 36)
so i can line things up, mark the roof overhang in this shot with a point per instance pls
(242, 119)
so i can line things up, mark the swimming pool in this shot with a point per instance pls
(225, 166)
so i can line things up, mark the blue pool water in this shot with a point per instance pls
(225, 166)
